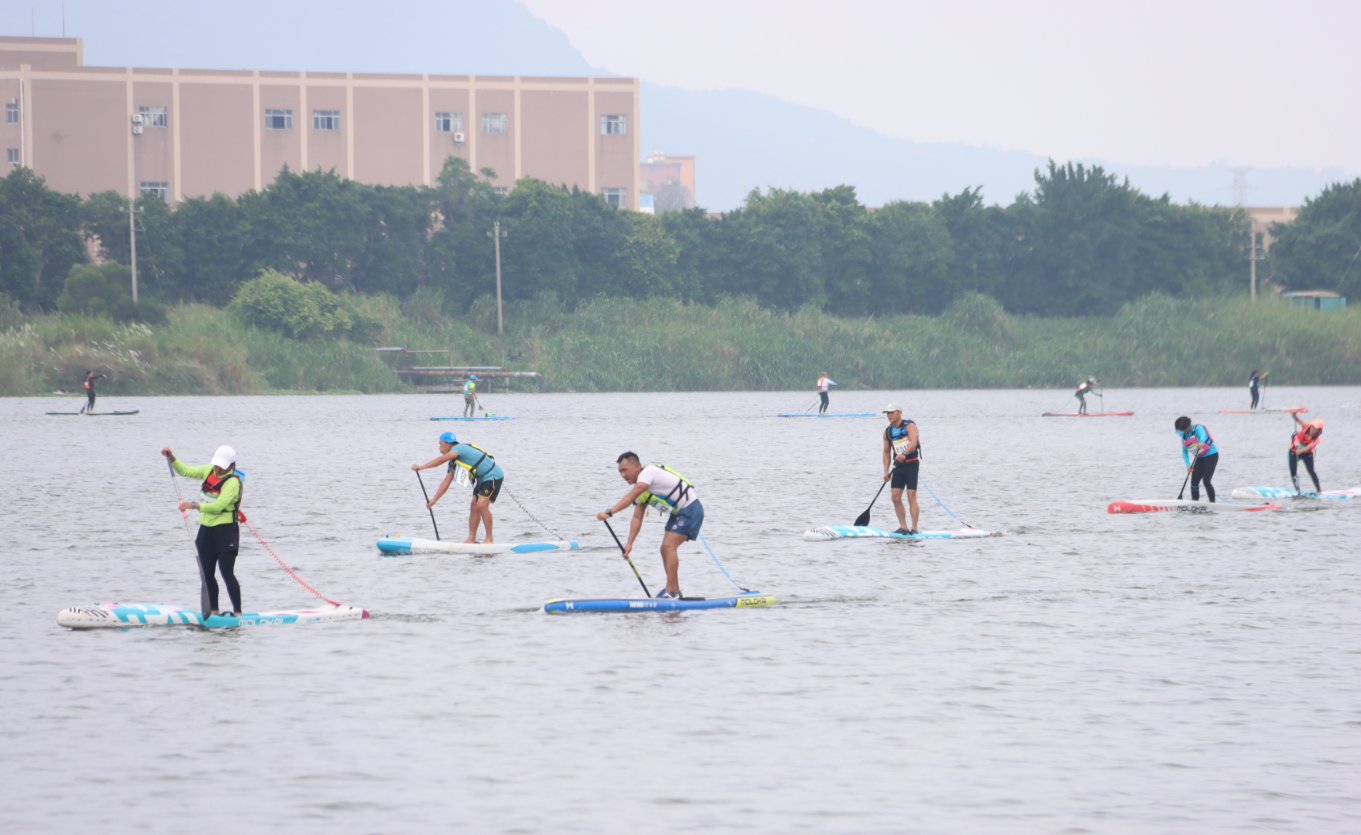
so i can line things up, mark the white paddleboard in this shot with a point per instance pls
(124, 615)
(1249, 494)
(392, 546)
(1183, 505)
(831, 532)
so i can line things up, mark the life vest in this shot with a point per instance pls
(211, 488)
(898, 440)
(671, 501)
(1302, 439)
(1189, 440)
(473, 467)
(470, 387)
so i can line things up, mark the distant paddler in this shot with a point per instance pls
(470, 403)
(1254, 382)
(1199, 447)
(902, 460)
(472, 466)
(1302, 446)
(1081, 394)
(673, 494)
(824, 384)
(219, 535)
(90, 377)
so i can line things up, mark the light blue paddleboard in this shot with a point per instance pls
(399, 546)
(1250, 493)
(860, 532)
(742, 601)
(838, 414)
(488, 417)
(124, 615)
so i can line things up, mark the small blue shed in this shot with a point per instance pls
(1317, 299)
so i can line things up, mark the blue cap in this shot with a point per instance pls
(449, 438)
(472, 376)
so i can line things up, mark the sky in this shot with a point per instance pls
(1158, 82)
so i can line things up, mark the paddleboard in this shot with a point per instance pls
(1089, 414)
(488, 417)
(1258, 493)
(857, 532)
(1184, 505)
(124, 615)
(97, 414)
(742, 601)
(393, 546)
(838, 414)
(1294, 410)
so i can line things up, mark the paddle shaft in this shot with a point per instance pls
(1185, 481)
(203, 606)
(626, 557)
(427, 504)
(864, 518)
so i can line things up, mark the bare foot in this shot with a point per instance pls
(470, 541)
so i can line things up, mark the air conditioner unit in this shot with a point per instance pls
(458, 136)
(136, 130)
(137, 119)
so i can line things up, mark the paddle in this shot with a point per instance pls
(427, 504)
(1184, 482)
(646, 593)
(864, 519)
(203, 606)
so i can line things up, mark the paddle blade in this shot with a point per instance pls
(863, 519)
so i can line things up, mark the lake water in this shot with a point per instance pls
(1081, 672)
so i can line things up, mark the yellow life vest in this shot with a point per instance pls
(671, 501)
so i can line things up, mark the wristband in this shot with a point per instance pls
(609, 513)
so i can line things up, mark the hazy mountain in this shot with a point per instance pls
(742, 139)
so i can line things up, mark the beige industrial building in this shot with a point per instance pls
(185, 133)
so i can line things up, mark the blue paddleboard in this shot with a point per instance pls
(742, 601)
(488, 417)
(838, 414)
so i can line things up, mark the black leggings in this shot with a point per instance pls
(823, 396)
(90, 400)
(217, 547)
(1254, 397)
(1204, 470)
(1308, 459)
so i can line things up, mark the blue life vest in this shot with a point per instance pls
(899, 433)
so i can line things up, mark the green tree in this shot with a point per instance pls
(1319, 249)
(39, 239)
(301, 310)
(774, 243)
(106, 290)
(912, 259)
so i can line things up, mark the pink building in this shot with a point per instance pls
(184, 133)
(669, 180)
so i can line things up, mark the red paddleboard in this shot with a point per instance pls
(1089, 414)
(1183, 505)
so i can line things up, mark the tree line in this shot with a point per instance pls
(1083, 242)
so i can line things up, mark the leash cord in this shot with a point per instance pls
(532, 516)
(942, 504)
(301, 582)
(720, 565)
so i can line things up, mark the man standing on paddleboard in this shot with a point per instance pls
(1253, 382)
(1081, 395)
(90, 378)
(823, 382)
(672, 493)
(1196, 443)
(219, 535)
(474, 467)
(902, 459)
(1302, 446)
(470, 396)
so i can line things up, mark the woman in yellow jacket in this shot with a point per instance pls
(219, 535)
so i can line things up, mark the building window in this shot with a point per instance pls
(153, 117)
(495, 123)
(448, 122)
(611, 125)
(503, 190)
(12, 113)
(326, 120)
(12, 156)
(278, 119)
(616, 197)
(161, 190)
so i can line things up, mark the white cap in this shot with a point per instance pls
(224, 458)
(892, 407)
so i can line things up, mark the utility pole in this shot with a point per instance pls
(132, 206)
(496, 235)
(1252, 256)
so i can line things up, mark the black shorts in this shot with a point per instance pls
(490, 489)
(905, 475)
